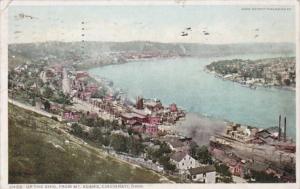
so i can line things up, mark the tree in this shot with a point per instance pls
(130, 131)
(278, 77)
(193, 149)
(165, 162)
(223, 169)
(287, 82)
(203, 155)
(200, 153)
(262, 177)
(224, 172)
(115, 125)
(99, 93)
(135, 145)
(106, 140)
(164, 148)
(47, 105)
(62, 98)
(119, 143)
(96, 135)
(77, 130)
(99, 122)
(48, 92)
(87, 121)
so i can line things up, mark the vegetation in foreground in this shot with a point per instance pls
(39, 152)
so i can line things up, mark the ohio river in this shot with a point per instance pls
(184, 81)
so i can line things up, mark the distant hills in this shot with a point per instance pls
(93, 51)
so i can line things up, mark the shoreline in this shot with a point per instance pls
(142, 60)
(179, 127)
(284, 88)
(103, 80)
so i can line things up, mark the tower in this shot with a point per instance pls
(284, 129)
(139, 103)
(279, 128)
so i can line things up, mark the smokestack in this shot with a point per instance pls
(279, 128)
(284, 129)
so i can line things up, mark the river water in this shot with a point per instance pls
(184, 82)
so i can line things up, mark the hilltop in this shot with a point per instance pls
(93, 53)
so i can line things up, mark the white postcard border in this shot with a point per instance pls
(4, 97)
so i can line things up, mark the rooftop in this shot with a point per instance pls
(175, 142)
(132, 115)
(178, 156)
(202, 169)
(140, 112)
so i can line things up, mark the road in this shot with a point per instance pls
(34, 109)
(100, 153)
(238, 179)
(66, 88)
(85, 106)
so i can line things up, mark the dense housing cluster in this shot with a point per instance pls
(263, 72)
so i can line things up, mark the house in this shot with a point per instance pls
(58, 69)
(84, 95)
(256, 140)
(173, 107)
(183, 161)
(50, 73)
(218, 154)
(235, 167)
(55, 107)
(81, 74)
(273, 131)
(139, 103)
(126, 117)
(92, 88)
(274, 172)
(154, 120)
(176, 144)
(203, 174)
(140, 112)
(71, 116)
(263, 134)
(92, 115)
(151, 129)
(137, 128)
(153, 105)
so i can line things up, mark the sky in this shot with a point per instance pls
(161, 23)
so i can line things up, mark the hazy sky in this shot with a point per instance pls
(225, 24)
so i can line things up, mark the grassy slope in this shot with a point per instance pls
(33, 157)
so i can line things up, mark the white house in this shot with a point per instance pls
(183, 161)
(204, 174)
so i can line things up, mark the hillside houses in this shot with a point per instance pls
(264, 72)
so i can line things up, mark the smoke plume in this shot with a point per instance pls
(200, 128)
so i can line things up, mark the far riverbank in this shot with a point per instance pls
(202, 93)
(254, 86)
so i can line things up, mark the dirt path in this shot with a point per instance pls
(33, 109)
